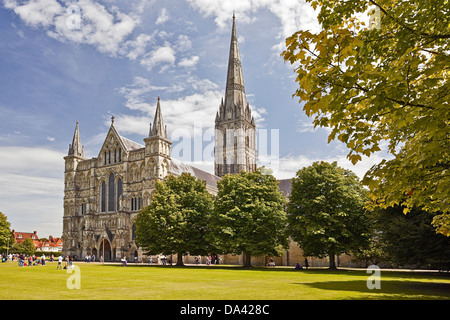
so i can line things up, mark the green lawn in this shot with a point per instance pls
(212, 283)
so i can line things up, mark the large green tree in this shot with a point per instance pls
(326, 211)
(25, 247)
(177, 220)
(249, 216)
(388, 82)
(6, 237)
(410, 240)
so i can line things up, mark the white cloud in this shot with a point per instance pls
(32, 189)
(307, 125)
(137, 94)
(223, 10)
(36, 12)
(128, 124)
(183, 43)
(180, 115)
(258, 114)
(31, 161)
(84, 22)
(189, 62)
(134, 49)
(287, 166)
(162, 55)
(292, 14)
(99, 27)
(163, 17)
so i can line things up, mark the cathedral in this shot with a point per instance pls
(103, 195)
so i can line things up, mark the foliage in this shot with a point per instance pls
(177, 219)
(249, 215)
(26, 247)
(374, 254)
(389, 82)
(410, 240)
(326, 212)
(5, 233)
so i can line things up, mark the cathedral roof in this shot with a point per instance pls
(130, 145)
(177, 168)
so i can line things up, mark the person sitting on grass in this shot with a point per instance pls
(298, 267)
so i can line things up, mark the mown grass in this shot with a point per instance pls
(114, 282)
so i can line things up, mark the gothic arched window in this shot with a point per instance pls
(111, 193)
(133, 203)
(133, 232)
(119, 192)
(103, 197)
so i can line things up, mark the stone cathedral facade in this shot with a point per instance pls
(103, 195)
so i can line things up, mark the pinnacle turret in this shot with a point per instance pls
(158, 128)
(76, 149)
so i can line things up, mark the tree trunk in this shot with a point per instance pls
(247, 260)
(180, 260)
(331, 256)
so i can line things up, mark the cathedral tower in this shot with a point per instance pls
(74, 156)
(157, 147)
(235, 129)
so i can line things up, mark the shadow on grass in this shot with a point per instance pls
(390, 289)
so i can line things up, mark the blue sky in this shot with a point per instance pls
(115, 61)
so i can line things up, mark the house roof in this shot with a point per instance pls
(19, 237)
(25, 235)
(52, 242)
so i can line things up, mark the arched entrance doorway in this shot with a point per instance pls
(94, 253)
(105, 250)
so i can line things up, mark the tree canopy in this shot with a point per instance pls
(177, 220)
(388, 82)
(5, 233)
(249, 215)
(326, 212)
(410, 240)
(26, 247)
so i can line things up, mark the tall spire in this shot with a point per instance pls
(158, 128)
(235, 91)
(76, 149)
(235, 147)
